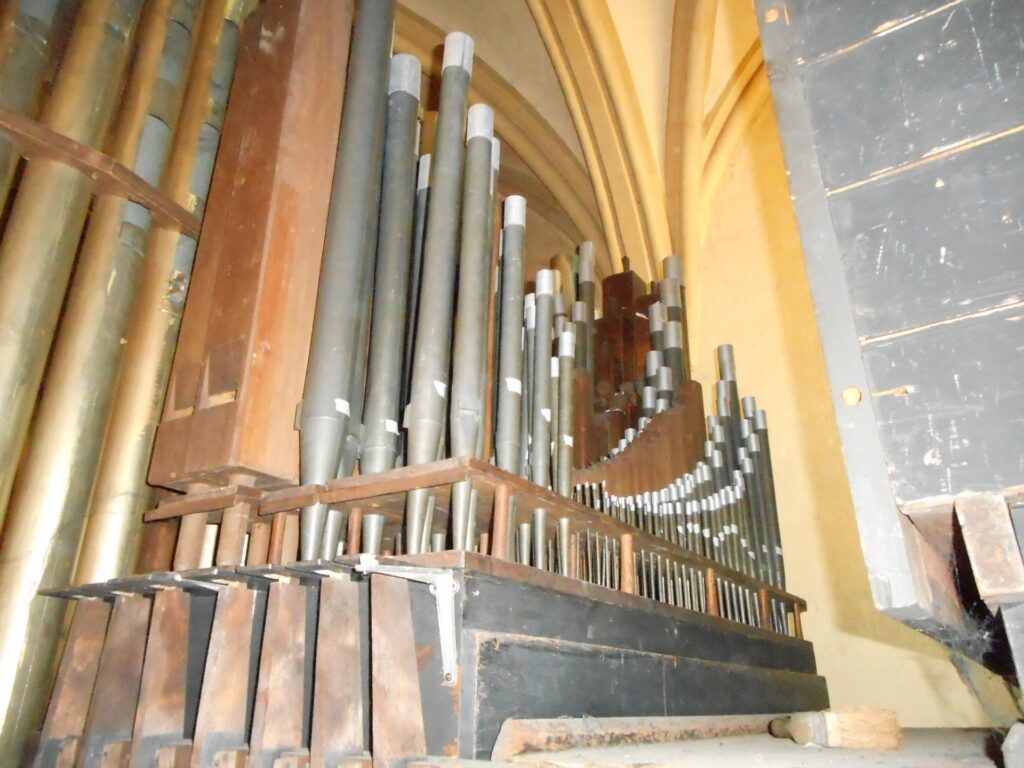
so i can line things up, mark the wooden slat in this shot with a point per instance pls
(204, 501)
(36, 140)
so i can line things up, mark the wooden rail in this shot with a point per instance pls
(37, 141)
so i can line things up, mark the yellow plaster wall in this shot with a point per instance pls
(754, 294)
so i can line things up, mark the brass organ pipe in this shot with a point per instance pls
(22, 67)
(38, 550)
(58, 464)
(37, 253)
(120, 494)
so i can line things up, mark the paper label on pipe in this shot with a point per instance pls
(778, 551)
(341, 406)
(440, 387)
(514, 385)
(567, 439)
(546, 413)
(390, 425)
(734, 528)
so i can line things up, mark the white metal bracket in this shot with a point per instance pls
(443, 586)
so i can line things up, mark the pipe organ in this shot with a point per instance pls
(406, 485)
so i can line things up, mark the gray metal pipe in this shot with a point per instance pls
(540, 444)
(391, 289)
(540, 539)
(579, 326)
(469, 350)
(587, 292)
(567, 367)
(419, 230)
(326, 407)
(425, 415)
(526, 412)
(510, 337)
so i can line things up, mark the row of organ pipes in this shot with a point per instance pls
(430, 339)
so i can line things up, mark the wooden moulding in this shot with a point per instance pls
(36, 140)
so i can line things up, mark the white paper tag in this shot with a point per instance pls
(567, 439)
(778, 551)
(440, 387)
(341, 406)
(546, 413)
(390, 425)
(514, 385)
(734, 528)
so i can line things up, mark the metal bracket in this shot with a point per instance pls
(443, 586)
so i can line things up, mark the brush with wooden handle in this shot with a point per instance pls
(847, 728)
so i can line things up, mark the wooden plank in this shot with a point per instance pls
(397, 715)
(108, 728)
(518, 737)
(204, 501)
(992, 547)
(226, 701)
(169, 693)
(69, 703)
(341, 707)
(36, 140)
(284, 687)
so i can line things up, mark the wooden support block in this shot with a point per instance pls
(764, 608)
(172, 674)
(106, 740)
(225, 701)
(341, 706)
(174, 755)
(398, 729)
(69, 702)
(711, 591)
(285, 683)
(984, 520)
(231, 758)
(627, 575)
(500, 522)
(292, 760)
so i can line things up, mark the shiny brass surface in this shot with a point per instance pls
(120, 494)
(48, 212)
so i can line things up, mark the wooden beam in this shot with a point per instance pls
(37, 141)
(591, 66)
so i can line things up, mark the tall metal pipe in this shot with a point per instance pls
(419, 231)
(587, 292)
(46, 219)
(120, 494)
(390, 302)
(526, 411)
(510, 337)
(567, 366)
(429, 389)
(22, 65)
(470, 345)
(540, 445)
(326, 406)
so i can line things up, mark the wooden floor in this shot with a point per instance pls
(934, 748)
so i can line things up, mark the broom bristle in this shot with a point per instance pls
(863, 728)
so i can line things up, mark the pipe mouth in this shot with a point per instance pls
(673, 334)
(579, 312)
(404, 75)
(515, 211)
(760, 420)
(545, 282)
(749, 406)
(458, 52)
(479, 122)
(495, 153)
(423, 179)
(530, 311)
